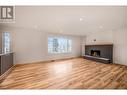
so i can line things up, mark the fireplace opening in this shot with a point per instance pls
(95, 53)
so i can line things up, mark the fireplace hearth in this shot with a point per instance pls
(100, 53)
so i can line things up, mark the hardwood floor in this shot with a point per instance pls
(75, 73)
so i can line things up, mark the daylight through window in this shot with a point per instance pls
(6, 43)
(59, 45)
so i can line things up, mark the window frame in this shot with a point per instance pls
(3, 42)
(51, 53)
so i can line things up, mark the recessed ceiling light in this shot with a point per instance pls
(81, 19)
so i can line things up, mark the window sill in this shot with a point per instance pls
(59, 53)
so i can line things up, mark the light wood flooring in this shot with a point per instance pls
(75, 73)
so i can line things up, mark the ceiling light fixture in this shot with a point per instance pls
(81, 19)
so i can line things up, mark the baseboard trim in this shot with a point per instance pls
(47, 61)
(120, 64)
(3, 76)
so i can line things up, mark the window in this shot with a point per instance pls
(59, 45)
(6, 41)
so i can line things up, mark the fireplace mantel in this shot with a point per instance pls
(99, 44)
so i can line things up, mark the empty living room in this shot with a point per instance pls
(63, 47)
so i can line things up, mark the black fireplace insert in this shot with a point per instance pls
(100, 53)
(95, 53)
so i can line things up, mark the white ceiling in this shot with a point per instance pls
(71, 20)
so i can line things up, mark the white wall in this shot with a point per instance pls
(83, 45)
(119, 40)
(120, 46)
(30, 45)
(101, 37)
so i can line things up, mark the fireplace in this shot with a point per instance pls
(100, 53)
(95, 53)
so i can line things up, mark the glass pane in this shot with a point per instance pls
(6, 44)
(59, 45)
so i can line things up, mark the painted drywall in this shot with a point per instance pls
(100, 37)
(120, 46)
(30, 45)
(119, 40)
(67, 18)
(83, 45)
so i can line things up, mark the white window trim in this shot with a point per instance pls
(49, 53)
